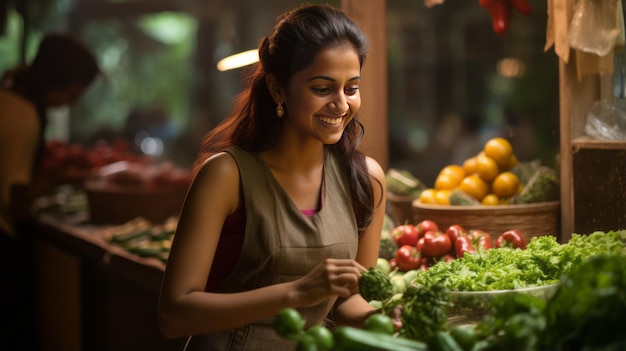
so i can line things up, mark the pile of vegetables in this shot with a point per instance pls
(144, 238)
(376, 335)
(542, 262)
(417, 247)
(587, 311)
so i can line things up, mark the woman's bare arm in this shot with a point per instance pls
(354, 310)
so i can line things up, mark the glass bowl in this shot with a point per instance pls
(470, 307)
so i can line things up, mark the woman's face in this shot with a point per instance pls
(322, 98)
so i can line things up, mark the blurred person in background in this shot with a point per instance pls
(62, 70)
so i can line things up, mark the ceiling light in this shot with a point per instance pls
(238, 60)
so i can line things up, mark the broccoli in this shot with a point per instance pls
(375, 285)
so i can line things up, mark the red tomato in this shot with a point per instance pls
(393, 263)
(426, 226)
(446, 258)
(511, 238)
(480, 239)
(454, 231)
(420, 244)
(405, 234)
(436, 244)
(408, 258)
(462, 245)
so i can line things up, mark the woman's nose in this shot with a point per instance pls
(340, 104)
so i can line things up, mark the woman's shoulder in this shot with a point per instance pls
(12, 102)
(220, 166)
(374, 168)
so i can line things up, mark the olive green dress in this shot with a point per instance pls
(281, 244)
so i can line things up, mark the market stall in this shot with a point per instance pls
(101, 269)
(95, 294)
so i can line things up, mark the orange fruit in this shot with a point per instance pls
(490, 199)
(500, 150)
(428, 196)
(442, 197)
(505, 184)
(446, 181)
(512, 162)
(454, 170)
(474, 186)
(470, 166)
(487, 168)
(449, 177)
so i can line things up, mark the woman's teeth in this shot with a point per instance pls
(331, 120)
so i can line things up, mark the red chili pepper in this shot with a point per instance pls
(462, 245)
(486, 3)
(521, 6)
(480, 239)
(499, 16)
(511, 238)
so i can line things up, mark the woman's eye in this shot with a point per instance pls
(322, 90)
(351, 90)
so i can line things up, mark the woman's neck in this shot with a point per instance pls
(302, 157)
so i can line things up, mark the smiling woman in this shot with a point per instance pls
(284, 210)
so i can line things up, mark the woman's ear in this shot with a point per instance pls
(274, 88)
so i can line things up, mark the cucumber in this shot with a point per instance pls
(443, 341)
(354, 339)
(125, 237)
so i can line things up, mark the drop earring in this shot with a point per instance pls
(280, 111)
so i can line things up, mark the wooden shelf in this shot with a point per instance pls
(589, 143)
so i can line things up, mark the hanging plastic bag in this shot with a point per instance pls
(596, 26)
(606, 121)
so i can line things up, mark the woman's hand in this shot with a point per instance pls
(332, 277)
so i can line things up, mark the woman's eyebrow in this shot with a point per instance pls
(332, 79)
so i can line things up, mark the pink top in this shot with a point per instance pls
(308, 213)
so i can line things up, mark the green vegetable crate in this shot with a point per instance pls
(536, 219)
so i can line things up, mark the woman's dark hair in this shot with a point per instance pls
(61, 60)
(298, 36)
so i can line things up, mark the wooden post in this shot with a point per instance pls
(371, 16)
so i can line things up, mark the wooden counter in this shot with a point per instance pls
(94, 295)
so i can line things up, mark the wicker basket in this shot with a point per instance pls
(400, 208)
(543, 218)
